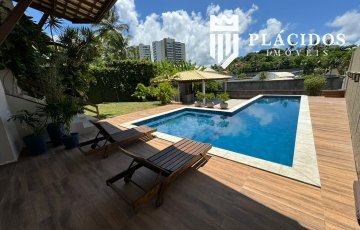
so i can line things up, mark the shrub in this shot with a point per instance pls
(164, 92)
(263, 76)
(210, 96)
(141, 92)
(223, 97)
(200, 96)
(313, 84)
(242, 76)
(210, 86)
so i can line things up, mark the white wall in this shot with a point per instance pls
(9, 82)
(10, 140)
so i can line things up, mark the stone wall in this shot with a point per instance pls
(248, 89)
(353, 107)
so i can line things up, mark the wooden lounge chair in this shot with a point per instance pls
(167, 164)
(112, 141)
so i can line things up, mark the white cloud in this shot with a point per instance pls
(190, 28)
(348, 24)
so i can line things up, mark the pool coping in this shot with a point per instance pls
(304, 168)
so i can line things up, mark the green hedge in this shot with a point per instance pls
(313, 84)
(117, 81)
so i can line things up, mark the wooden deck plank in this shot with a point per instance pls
(68, 189)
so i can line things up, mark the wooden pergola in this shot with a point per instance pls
(76, 11)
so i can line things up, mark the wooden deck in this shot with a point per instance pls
(66, 190)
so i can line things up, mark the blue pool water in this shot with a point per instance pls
(264, 129)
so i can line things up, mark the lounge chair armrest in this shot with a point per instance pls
(132, 155)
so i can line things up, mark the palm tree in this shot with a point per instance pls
(110, 31)
(115, 46)
(54, 24)
(110, 23)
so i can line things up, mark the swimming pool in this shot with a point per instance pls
(264, 129)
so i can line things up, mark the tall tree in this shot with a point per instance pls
(55, 25)
(111, 32)
(79, 48)
(110, 23)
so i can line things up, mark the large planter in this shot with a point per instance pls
(36, 144)
(71, 141)
(198, 104)
(210, 104)
(224, 105)
(56, 132)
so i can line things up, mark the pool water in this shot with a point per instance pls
(265, 129)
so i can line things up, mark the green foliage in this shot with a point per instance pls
(223, 97)
(313, 84)
(54, 24)
(164, 92)
(200, 95)
(166, 69)
(79, 50)
(53, 110)
(210, 86)
(263, 76)
(23, 52)
(141, 92)
(242, 76)
(118, 80)
(114, 41)
(70, 106)
(110, 23)
(209, 96)
(34, 121)
(338, 57)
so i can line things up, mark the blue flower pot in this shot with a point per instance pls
(36, 144)
(56, 132)
(71, 141)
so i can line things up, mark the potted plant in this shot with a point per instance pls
(54, 94)
(200, 98)
(223, 97)
(70, 107)
(36, 123)
(209, 100)
(55, 129)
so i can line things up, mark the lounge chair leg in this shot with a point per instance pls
(123, 174)
(160, 195)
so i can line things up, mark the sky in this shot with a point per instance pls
(188, 20)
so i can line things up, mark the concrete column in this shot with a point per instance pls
(178, 91)
(225, 86)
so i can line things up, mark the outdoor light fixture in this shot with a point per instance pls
(354, 76)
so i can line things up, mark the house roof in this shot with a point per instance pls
(76, 11)
(197, 75)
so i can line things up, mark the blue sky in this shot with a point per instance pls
(304, 15)
(155, 19)
(300, 15)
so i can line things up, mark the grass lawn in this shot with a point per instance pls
(119, 108)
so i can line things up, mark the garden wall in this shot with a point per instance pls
(353, 108)
(249, 89)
